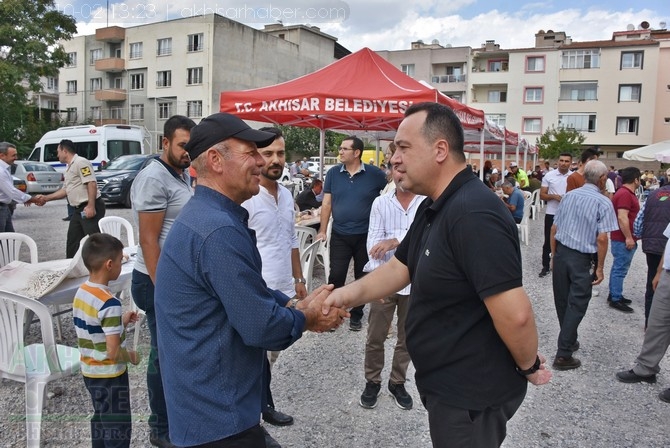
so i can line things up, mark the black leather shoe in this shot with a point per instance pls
(355, 324)
(67, 218)
(565, 363)
(628, 376)
(619, 305)
(274, 417)
(161, 442)
(544, 272)
(623, 300)
(270, 442)
(665, 396)
(574, 347)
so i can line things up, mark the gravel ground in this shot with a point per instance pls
(319, 380)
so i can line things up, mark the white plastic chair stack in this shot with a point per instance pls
(35, 365)
(306, 236)
(113, 226)
(10, 248)
(524, 230)
(323, 254)
(307, 258)
(534, 204)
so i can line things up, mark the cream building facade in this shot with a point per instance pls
(144, 74)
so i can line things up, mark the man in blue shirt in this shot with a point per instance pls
(514, 201)
(349, 190)
(215, 315)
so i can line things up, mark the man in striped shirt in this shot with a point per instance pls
(581, 224)
(100, 328)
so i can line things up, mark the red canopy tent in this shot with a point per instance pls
(361, 91)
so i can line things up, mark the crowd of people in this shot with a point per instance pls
(219, 277)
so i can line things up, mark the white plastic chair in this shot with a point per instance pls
(306, 236)
(113, 225)
(523, 227)
(35, 365)
(323, 254)
(534, 204)
(307, 258)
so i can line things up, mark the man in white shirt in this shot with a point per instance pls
(390, 218)
(271, 216)
(8, 192)
(554, 184)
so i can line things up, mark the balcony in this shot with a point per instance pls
(111, 95)
(112, 34)
(110, 65)
(437, 79)
(104, 121)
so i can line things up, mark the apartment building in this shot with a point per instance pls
(616, 92)
(144, 74)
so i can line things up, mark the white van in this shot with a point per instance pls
(98, 144)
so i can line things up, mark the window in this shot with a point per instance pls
(72, 114)
(137, 81)
(164, 79)
(498, 66)
(194, 76)
(195, 42)
(116, 113)
(164, 46)
(533, 95)
(499, 119)
(72, 59)
(532, 125)
(116, 83)
(497, 96)
(535, 64)
(164, 110)
(408, 69)
(137, 112)
(96, 84)
(52, 104)
(580, 59)
(578, 122)
(52, 83)
(627, 125)
(96, 113)
(136, 50)
(95, 55)
(194, 109)
(630, 92)
(579, 91)
(71, 87)
(632, 59)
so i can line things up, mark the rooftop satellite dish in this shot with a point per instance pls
(448, 46)
(435, 42)
(630, 27)
(644, 25)
(662, 25)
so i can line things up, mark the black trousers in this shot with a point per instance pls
(80, 227)
(111, 424)
(546, 247)
(457, 428)
(342, 249)
(653, 260)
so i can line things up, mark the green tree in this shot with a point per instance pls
(555, 141)
(304, 142)
(30, 32)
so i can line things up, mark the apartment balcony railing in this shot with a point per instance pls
(113, 34)
(111, 95)
(112, 65)
(448, 78)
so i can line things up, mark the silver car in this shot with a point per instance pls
(39, 177)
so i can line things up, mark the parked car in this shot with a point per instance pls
(19, 184)
(115, 180)
(39, 177)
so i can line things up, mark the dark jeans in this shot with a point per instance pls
(571, 279)
(142, 289)
(653, 260)
(6, 218)
(456, 427)
(267, 402)
(253, 437)
(80, 227)
(342, 249)
(111, 424)
(546, 247)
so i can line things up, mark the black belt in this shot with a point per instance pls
(84, 204)
(2, 204)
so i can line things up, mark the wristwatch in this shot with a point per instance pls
(534, 368)
(299, 280)
(292, 303)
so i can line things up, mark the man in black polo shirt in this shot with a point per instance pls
(470, 328)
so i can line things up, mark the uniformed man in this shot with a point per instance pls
(82, 193)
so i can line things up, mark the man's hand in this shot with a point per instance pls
(40, 200)
(134, 357)
(318, 321)
(542, 376)
(89, 210)
(304, 303)
(600, 276)
(300, 291)
(129, 317)
(378, 251)
(321, 236)
(630, 243)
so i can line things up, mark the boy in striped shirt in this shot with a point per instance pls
(100, 327)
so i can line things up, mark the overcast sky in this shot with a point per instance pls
(393, 24)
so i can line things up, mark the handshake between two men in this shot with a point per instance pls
(315, 319)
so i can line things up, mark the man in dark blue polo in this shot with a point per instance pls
(349, 190)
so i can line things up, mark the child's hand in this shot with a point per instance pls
(134, 357)
(130, 317)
